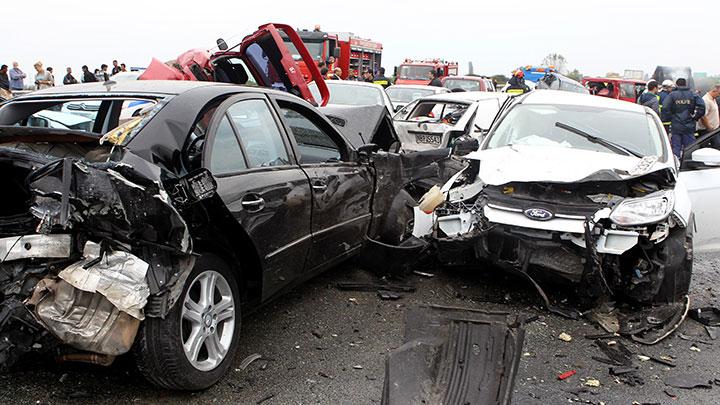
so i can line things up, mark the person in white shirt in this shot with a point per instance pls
(711, 120)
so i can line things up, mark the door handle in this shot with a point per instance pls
(253, 203)
(319, 185)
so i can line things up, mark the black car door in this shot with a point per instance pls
(262, 185)
(341, 188)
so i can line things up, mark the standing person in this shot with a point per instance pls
(87, 77)
(324, 72)
(352, 76)
(516, 84)
(16, 78)
(667, 87)
(331, 63)
(52, 76)
(116, 68)
(650, 98)
(711, 120)
(337, 74)
(69, 78)
(4, 83)
(123, 68)
(434, 79)
(42, 77)
(682, 108)
(367, 76)
(102, 74)
(382, 80)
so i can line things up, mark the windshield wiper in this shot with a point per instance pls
(600, 141)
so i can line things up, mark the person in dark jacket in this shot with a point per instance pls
(5, 93)
(381, 79)
(667, 87)
(650, 97)
(682, 108)
(69, 78)
(87, 76)
(516, 84)
(434, 79)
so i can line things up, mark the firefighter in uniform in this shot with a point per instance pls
(382, 80)
(682, 108)
(516, 84)
(667, 87)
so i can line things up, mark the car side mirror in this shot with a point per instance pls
(336, 52)
(365, 152)
(221, 44)
(706, 156)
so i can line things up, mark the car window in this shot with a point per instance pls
(399, 94)
(627, 90)
(259, 133)
(432, 111)
(344, 94)
(314, 144)
(462, 84)
(226, 155)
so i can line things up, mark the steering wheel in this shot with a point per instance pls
(193, 153)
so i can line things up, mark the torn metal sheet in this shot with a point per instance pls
(119, 276)
(651, 325)
(454, 356)
(84, 320)
(35, 246)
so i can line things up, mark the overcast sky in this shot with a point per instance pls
(595, 37)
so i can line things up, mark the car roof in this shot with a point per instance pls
(579, 99)
(471, 78)
(468, 96)
(352, 83)
(129, 86)
(416, 86)
(613, 79)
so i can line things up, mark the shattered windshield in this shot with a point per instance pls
(348, 94)
(438, 111)
(467, 85)
(536, 125)
(404, 95)
(412, 72)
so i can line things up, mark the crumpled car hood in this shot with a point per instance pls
(525, 163)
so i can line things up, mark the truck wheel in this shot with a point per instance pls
(193, 347)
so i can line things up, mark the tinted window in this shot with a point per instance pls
(226, 155)
(314, 144)
(259, 133)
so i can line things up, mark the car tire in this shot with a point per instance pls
(195, 326)
(672, 260)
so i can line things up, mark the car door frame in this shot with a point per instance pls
(283, 266)
(687, 166)
(349, 159)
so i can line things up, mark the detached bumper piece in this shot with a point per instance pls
(454, 356)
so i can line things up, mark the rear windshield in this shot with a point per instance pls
(467, 85)
(404, 95)
(96, 116)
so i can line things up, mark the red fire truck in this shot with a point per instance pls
(417, 72)
(351, 53)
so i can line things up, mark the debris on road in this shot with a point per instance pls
(592, 382)
(708, 316)
(450, 353)
(688, 381)
(423, 274)
(374, 286)
(567, 374)
(565, 337)
(248, 360)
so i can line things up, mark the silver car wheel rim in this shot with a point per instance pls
(208, 320)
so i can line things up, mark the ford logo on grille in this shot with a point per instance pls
(538, 214)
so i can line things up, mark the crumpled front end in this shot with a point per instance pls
(590, 232)
(88, 251)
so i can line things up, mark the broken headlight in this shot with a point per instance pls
(645, 210)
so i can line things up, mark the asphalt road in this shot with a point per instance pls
(323, 345)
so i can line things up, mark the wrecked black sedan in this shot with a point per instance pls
(156, 235)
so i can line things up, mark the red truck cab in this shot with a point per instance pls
(261, 59)
(418, 72)
(615, 87)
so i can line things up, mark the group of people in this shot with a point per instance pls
(683, 112)
(14, 79)
(329, 71)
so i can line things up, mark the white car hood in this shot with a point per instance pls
(556, 164)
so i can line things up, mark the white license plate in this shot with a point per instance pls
(431, 139)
